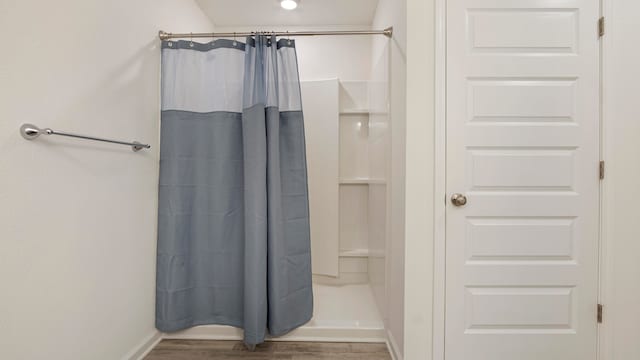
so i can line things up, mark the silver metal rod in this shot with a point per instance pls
(32, 132)
(388, 32)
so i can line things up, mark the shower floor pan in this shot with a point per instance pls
(346, 313)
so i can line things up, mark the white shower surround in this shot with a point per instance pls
(363, 261)
(348, 306)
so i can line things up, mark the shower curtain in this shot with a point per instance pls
(233, 213)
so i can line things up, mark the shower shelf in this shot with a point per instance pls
(354, 112)
(354, 253)
(362, 181)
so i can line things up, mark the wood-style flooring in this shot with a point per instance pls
(224, 350)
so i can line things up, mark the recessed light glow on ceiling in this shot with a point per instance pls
(289, 4)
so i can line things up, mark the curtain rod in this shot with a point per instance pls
(388, 32)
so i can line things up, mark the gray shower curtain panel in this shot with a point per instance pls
(233, 213)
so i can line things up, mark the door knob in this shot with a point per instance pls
(458, 200)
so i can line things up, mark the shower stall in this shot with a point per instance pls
(344, 88)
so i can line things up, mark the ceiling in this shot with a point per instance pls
(225, 13)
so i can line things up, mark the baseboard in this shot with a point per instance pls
(218, 332)
(311, 333)
(145, 346)
(394, 350)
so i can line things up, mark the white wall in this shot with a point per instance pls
(325, 57)
(78, 219)
(392, 55)
(621, 293)
(420, 175)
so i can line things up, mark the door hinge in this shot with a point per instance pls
(601, 27)
(601, 169)
(599, 315)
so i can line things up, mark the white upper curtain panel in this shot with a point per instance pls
(221, 76)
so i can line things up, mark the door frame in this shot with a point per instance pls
(604, 334)
(440, 171)
(605, 271)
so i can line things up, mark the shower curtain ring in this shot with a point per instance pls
(235, 43)
(191, 44)
(288, 38)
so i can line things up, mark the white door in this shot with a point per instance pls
(523, 147)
